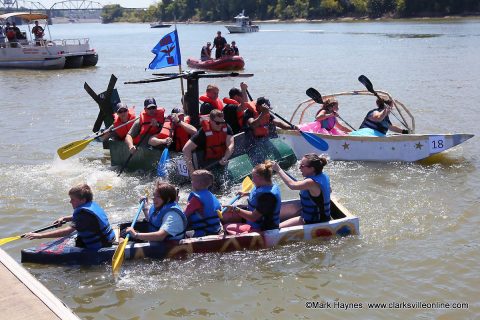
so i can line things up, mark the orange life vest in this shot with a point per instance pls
(122, 132)
(215, 141)
(217, 104)
(181, 136)
(262, 130)
(145, 121)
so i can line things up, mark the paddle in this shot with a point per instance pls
(368, 84)
(317, 97)
(247, 185)
(162, 163)
(131, 154)
(119, 254)
(311, 138)
(75, 147)
(7, 240)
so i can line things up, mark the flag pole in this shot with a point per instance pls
(180, 68)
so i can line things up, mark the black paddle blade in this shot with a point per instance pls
(367, 83)
(315, 95)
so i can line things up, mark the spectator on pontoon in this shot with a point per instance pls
(264, 203)
(166, 220)
(202, 206)
(88, 220)
(210, 100)
(38, 33)
(11, 35)
(377, 122)
(235, 106)
(214, 138)
(326, 120)
(219, 42)
(18, 33)
(235, 48)
(206, 53)
(2, 37)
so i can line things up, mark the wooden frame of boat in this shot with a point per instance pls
(63, 251)
(45, 54)
(396, 147)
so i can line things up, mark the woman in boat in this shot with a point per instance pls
(88, 219)
(326, 120)
(166, 220)
(202, 206)
(377, 123)
(314, 191)
(264, 203)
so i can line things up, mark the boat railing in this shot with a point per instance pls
(399, 106)
(70, 42)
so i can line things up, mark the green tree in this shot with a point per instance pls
(111, 12)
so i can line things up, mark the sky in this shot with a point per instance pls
(123, 3)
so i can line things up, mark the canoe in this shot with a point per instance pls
(63, 251)
(392, 147)
(240, 165)
(224, 63)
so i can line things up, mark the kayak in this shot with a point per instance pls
(63, 250)
(224, 63)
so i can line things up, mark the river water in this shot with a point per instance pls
(419, 221)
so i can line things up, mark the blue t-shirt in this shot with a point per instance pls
(172, 223)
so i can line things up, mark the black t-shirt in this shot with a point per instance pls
(205, 108)
(266, 204)
(230, 114)
(219, 43)
(86, 222)
(200, 139)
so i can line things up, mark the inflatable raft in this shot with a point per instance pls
(224, 63)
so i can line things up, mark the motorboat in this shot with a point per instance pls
(28, 53)
(159, 24)
(243, 24)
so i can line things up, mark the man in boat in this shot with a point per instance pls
(314, 191)
(219, 42)
(2, 38)
(202, 206)
(11, 35)
(120, 120)
(165, 219)
(215, 139)
(88, 219)
(210, 100)
(228, 51)
(38, 33)
(206, 53)
(235, 48)
(18, 33)
(176, 127)
(378, 120)
(150, 123)
(235, 106)
(264, 203)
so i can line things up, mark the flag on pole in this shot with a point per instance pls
(167, 52)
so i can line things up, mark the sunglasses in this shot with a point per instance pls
(151, 108)
(122, 111)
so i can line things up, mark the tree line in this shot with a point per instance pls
(224, 10)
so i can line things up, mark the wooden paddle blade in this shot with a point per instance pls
(315, 95)
(162, 163)
(367, 83)
(72, 148)
(7, 240)
(119, 256)
(247, 185)
(315, 141)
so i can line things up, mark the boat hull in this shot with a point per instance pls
(63, 251)
(242, 29)
(407, 147)
(225, 63)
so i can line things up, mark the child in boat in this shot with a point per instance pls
(264, 203)
(314, 191)
(202, 206)
(88, 219)
(165, 218)
(326, 121)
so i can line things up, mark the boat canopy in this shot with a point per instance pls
(29, 16)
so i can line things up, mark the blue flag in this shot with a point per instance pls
(167, 52)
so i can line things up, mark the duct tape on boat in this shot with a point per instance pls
(182, 167)
(436, 144)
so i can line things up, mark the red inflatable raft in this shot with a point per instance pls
(224, 63)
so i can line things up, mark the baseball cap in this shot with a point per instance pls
(121, 106)
(149, 102)
(262, 101)
(176, 110)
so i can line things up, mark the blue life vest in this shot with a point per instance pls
(265, 223)
(155, 218)
(328, 123)
(98, 238)
(381, 126)
(208, 222)
(311, 213)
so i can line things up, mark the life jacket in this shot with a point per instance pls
(205, 53)
(381, 126)
(208, 222)
(94, 239)
(216, 104)
(122, 131)
(310, 210)
(265, 223)
(264, 128)
(240, 113)
(215, 141)
(145, 121)
(328, 123)
(155, 219)
(181, 136)
(166, 131)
